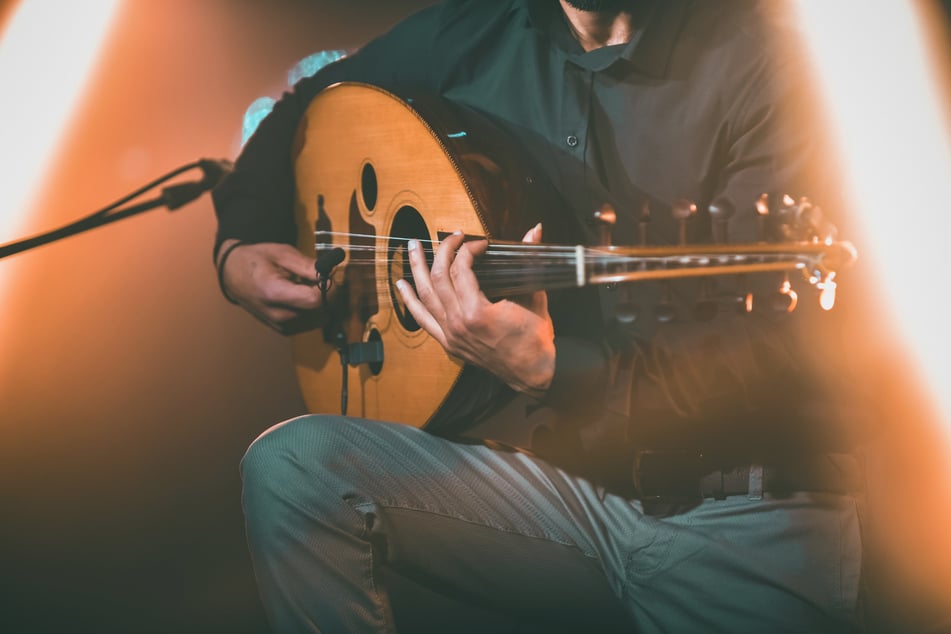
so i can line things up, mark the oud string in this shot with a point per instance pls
(537, 267)
(504, 259)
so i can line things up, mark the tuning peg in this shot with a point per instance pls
(744, 303)
(810, 220)
(643, 222)
(786, 224)
(827, 288)
(814, 225)
(827, 233)
(682, 211)
(665, 311)
(626, 311)
(720, 211)
(799, 219)
(762, 210)
(705, 309)
(786, 298)
(605, 218)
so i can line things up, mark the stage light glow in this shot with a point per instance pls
(262, 106)
(254, 115)
(313, 63)
(46, 54)
(880, 69)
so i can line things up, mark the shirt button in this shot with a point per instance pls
(572, 140)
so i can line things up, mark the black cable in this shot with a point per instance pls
(339, 338)
(158, 181)
(344, 380)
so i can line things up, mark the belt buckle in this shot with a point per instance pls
(669, 474)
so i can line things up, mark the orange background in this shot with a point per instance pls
(129, 389)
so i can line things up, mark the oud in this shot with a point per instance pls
(374, 171)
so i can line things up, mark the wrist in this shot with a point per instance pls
(539, 377)
(227, 247)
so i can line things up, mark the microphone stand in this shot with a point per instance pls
(172, 197)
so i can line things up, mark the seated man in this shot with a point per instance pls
(665, 474)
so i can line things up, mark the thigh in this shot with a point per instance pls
(494, 528)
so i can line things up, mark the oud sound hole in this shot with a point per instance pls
(368, 186)
(408, 224)
(375, 366)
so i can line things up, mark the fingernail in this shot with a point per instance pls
(457, 233)
(400, 284)
(412, 245)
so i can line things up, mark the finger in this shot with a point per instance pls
(466, 287)
(420, 313)
(295, 262)
(446, 251)
(534, 234)
(441, 276)
(422, 278)
(540, 303)
(284, 293)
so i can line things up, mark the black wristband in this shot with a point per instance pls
(221, 268)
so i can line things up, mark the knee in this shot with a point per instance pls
(297, 448)
(289, 475)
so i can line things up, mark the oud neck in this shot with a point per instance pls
(511, 268)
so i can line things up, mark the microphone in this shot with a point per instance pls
(213, 172)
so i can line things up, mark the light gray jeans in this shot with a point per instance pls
(339, 511)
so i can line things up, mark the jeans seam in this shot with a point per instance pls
(482, 523)
(371, 577)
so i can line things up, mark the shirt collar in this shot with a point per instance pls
(649, 52)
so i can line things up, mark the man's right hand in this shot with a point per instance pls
(275, 283)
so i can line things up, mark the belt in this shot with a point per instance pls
(694, 474)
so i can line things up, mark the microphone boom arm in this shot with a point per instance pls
(172, 197)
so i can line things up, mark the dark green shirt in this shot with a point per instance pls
(699, 106)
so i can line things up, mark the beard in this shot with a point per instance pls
(601, 5)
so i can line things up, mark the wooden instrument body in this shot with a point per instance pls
(371, 164)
